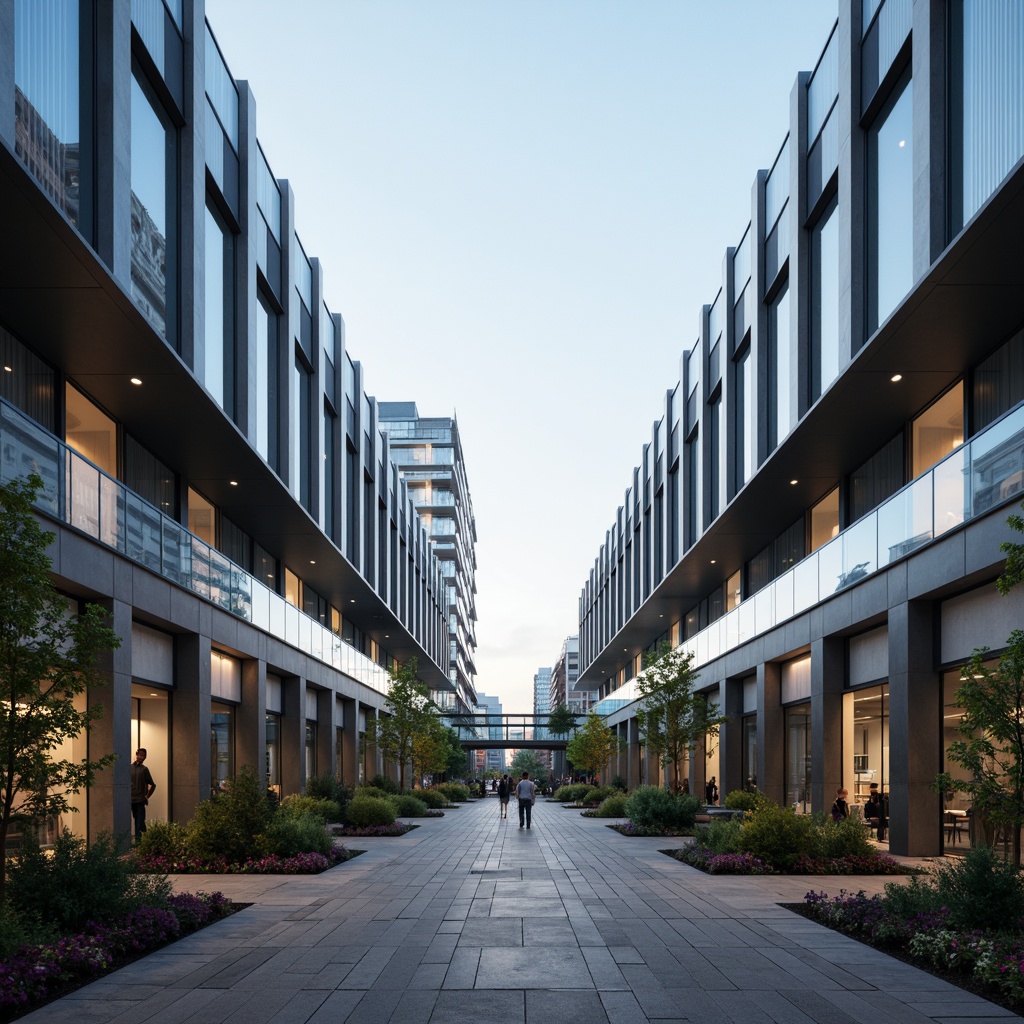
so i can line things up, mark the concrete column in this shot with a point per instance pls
(730, 763)
(633, 754)
(293, 736)
(828, 675)
(190, 725)
(350, 753)
(251, 718)
(915, 710)
(326, 737)
(108, 803)
(771, 733)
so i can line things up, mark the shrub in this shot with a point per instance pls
(294, 806)
(455, 792)
(571, 793)
(613, 806)
(374, 791)
(846, 838)
(291, 834)
(329, 787)
(744, 800)
(619, 782)
(407, 806)
(650, 807)
(719, 836)
(432, 798)
(383, 782)
(74, 883)
(777, 835)
(981, 891)
(599, 794)
(228, 825)
(163, 839)
(369, 810)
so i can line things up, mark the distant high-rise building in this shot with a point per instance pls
(564, 688)
(491, 706)
(428, 453)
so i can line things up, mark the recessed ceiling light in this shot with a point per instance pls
(136, 381)
(792, 482)
(896, 377)
(312, 561)
(351, 600)
(9, 369)
(234, 483)
(713, 561)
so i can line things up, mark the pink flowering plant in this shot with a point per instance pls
(967, 919)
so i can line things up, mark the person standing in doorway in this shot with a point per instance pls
(143, 788)
(526, 792)
(711, 792)
(503, 787)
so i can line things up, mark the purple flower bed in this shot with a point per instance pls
(987, 962)
(747, 864)
(37, 973)
(629, 829)
(300, 864)
(373, 831)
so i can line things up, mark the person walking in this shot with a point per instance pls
(503, 787)
(526, 793)
(142, 788)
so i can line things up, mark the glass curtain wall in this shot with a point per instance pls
(987, 83)
(798, 757)
(222, 746)
(825, 300)
(153, 166)
(779, 369)
(891, 206)
(219, 362)
(273, 752)
(866, 741)
(52, 102)
(750, 753)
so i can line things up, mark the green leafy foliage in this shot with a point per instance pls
(980, 890)
(571, 792)
(409, 806)
(73, 883)
(411, 716)
(432, 798)
(48, 659)
(527, 761)
(671, 716)
(379, 794)
(613, 806)
(295, 805)
(744, 800)
(561, 721)
(386, 784)
(777, 835)
(329, 787)
(164, 839)
(651, 807)
(230, 824)
(456, 792)
(593, 746)
(720, 835)
(290, 834)
(369, 810)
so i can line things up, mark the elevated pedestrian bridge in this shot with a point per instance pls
(507, 732)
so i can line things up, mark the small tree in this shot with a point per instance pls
(47, 660)
(593, 747)
(527, 761)
(455, 755)
(429, 752)
(561, 721)
(992, 750)
(410, 712)
(671, 716)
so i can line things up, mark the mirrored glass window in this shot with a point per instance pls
(825, 300)
(938, 430)
(779, 369)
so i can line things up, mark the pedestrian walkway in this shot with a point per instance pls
(472, 920)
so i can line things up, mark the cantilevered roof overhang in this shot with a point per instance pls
(970, 301)
(58, 297)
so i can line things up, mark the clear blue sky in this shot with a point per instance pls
(520, 208)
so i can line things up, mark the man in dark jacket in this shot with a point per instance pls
(143, 788)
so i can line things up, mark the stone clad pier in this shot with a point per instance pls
(470, 919)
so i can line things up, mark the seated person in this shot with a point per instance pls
(876, 810)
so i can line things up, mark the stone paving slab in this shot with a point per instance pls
(470, 919)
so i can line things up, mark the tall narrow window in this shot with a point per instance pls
(715, 455)
(891, 207)
(824, 301)
(52, 103)
(330, 472)
(267, 387)
(153, 164)
(987, 100)
(693, 490)
(780, 370)
(301, 423)
(219, 361)
(743, 418)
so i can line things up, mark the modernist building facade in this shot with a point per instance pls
(817, 515)
(214, 468)
(428, 453)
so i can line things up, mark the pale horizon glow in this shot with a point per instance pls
(520, 210)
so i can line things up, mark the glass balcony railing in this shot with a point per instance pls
(979, 476)
(77, 493)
